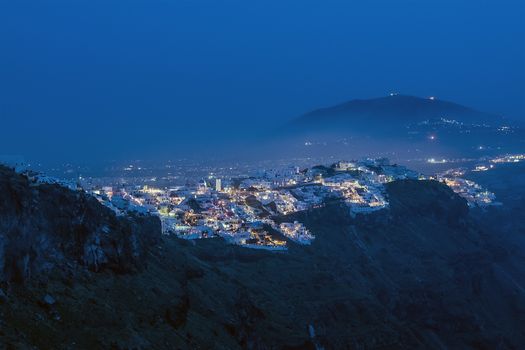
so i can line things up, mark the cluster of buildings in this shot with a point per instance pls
(511, 158)
(471, 191)
(257, 211)
(475, 194)
(492, 162)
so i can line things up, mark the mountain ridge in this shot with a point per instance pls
(403, 125)
(409, 108)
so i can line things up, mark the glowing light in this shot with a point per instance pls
(436, 161)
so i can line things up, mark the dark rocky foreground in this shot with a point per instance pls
(45, 227)
(423, 274)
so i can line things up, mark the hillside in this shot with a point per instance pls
(421, 274)
(403, 125)
(397, 110)
(45, 227)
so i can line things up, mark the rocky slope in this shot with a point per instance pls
(421, 274)
(45, 227)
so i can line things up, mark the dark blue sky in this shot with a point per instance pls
(84, 79)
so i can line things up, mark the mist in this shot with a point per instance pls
(100, 80)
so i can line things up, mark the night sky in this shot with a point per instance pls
(116, 79)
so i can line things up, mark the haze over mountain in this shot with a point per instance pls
(409, 124)
(397, 110)
(101, 80)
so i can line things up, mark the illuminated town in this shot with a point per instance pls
(257, 211)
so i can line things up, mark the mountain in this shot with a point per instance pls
(397, 110)
(423, 273)
(402, 124)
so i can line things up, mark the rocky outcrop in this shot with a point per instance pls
(44, 226)
(431, 199)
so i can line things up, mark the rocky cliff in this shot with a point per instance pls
(45, 227)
